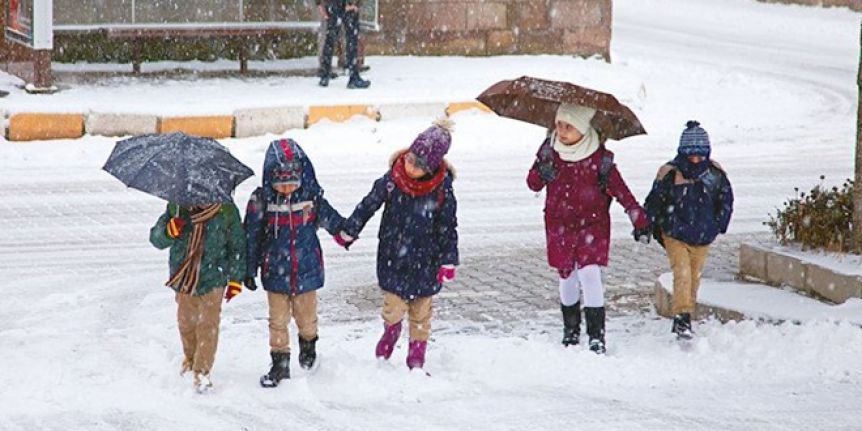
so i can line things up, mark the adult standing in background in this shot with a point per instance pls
(337, 13)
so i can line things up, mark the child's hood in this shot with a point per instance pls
(286, 154)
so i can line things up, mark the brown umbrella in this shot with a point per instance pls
(536, 101)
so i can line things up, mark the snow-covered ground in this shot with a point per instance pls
(88, 336)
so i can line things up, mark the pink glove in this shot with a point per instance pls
(446, 273)
(344, 240)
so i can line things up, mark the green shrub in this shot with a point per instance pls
(819, 219)
(95, 47)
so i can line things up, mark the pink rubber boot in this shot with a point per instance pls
(387, 341)
(416, 354)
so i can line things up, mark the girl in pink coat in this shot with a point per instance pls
(581, 179)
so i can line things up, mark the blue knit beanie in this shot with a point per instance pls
(694, 141)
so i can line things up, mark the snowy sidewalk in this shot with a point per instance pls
(402, 80)
(740, 300)
(88, 331)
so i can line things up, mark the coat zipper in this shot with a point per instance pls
(293, 260)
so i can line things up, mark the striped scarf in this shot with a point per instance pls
(186, 278)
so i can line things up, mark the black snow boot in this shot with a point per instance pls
(280, 370)
(356, 82)
(682, 326)
(307, 353)
(571, 323)
(595, 317)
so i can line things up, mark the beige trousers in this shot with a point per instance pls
(198, 319)
(687, 262)
(303, 309)
(418, 310)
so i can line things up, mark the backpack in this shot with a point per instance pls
(713, 188)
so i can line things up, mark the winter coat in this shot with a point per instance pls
(223, 259)
(281, 230)
(417, 235)
(577, 217)
(693, 211)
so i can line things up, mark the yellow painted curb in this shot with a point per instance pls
(463, 106)
(216, 127)
(339, 113)
(33, 126)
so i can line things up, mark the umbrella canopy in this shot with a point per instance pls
(179, 168)
(536, 101)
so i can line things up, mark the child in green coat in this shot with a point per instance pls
(207, 261)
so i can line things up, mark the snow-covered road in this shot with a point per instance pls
(87, 334)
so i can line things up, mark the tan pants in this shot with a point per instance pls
(419, 312)
(687, 263)
(302, 307)
(198, 319)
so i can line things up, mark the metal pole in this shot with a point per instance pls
(857, 188)
(134, 17)
(241, 12)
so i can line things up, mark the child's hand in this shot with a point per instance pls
(446, 273)
(175, 227)
(233, 289)
(642, 235)
(250, 284)
(344, 240)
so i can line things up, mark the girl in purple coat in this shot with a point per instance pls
(581, 179)
(418, 247)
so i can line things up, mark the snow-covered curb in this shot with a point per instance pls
(737, 301)
(836, 277)
(241, 123)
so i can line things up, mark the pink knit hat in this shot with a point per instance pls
(432, 145)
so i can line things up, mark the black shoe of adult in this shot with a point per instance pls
(324, 81)
(356, 82)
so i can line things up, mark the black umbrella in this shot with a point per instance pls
(179, 168)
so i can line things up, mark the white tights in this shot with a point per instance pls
(587, 279)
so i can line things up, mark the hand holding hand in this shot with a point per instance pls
(322, 10)
(344, 240)
(175, 227)
(642, 235)
(351, 8)
(446, 273)
(233, 289)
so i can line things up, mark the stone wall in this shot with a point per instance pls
(852, 4)
(492, 27)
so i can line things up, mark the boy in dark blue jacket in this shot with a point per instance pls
(281, 224)
(418, 248)
(689, 205)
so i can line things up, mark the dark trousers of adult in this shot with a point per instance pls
(338, 15)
